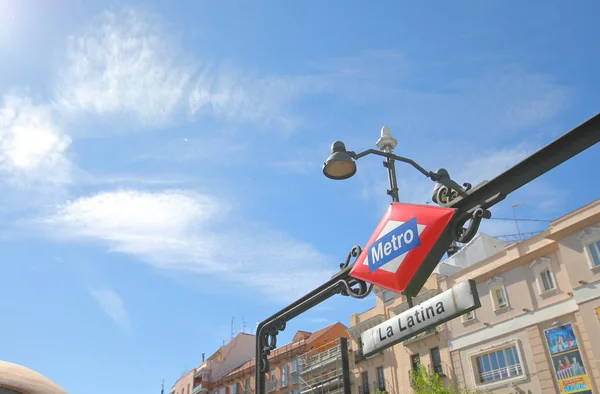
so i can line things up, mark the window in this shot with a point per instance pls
(468, 316)
(284, 375)
(415, 361)
(498, 365)
(547, 281)
(380, 379)
(365, 382)
(594, 253)
(233, 388)
(499, 295)
(294, 371)
(223, 390)
(387, 296)
(247, 386)
(436, 361)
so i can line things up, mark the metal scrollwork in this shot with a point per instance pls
(269, 339)
(446, 190)
(349, 289)
(354, 252)
(465, 234)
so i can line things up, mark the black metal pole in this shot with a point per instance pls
(391, 167)
(267, 330)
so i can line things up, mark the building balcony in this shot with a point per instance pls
(440, 369)
(364, 325)
(270, 385)
(327, 384)
(324, 358)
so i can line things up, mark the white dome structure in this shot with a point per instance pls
(16, 379)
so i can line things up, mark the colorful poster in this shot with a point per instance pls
(566, 358)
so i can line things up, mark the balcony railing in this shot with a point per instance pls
(379, 386)
(438, 368)
(270, 385)
(501, 373)
(197, 389)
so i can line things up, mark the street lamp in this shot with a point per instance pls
(341, 164)
(471, 204)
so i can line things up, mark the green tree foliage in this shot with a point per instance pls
(426, 383)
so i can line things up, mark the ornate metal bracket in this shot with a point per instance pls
(267, 331)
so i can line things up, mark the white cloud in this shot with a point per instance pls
(191, 232)
(124, 64)
(32, 144)
(233, 95)
(112, 304)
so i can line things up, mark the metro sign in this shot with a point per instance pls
(403, 240)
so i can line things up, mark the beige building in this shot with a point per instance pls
(390, 370)
(534, 332)
(538, 326)
(230, 356)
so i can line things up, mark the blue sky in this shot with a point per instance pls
(161, 162)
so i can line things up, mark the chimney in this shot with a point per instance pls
(202, 357)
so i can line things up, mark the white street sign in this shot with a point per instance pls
(444, 307)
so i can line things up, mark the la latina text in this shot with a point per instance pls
(406, 321)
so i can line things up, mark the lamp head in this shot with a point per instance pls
(339, 165)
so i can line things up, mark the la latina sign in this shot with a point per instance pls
(446, 306)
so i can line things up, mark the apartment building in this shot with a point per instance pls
(326, 368)
(229, 356)
(390, 370)
(183, 385)
(286, 365)
(538, 327)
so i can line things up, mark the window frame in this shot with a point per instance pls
(539, 266)
(494, 284)
(284, 375)
(364, 377)
(466, 319)
(588, 238)
(475, 373)
(380, 378)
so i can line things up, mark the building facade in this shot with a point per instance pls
(326, 368)
(538, 326)
(390, 371)
(287, 373)
(230, 356)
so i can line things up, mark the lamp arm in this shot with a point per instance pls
(428, 174)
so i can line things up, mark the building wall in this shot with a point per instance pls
(238, 351)
(282, 356)
(530, 309)
(184, 384)
(396, 360)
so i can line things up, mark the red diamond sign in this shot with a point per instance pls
(403, 239)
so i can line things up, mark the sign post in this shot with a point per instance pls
(395, 248)
(446, 306)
